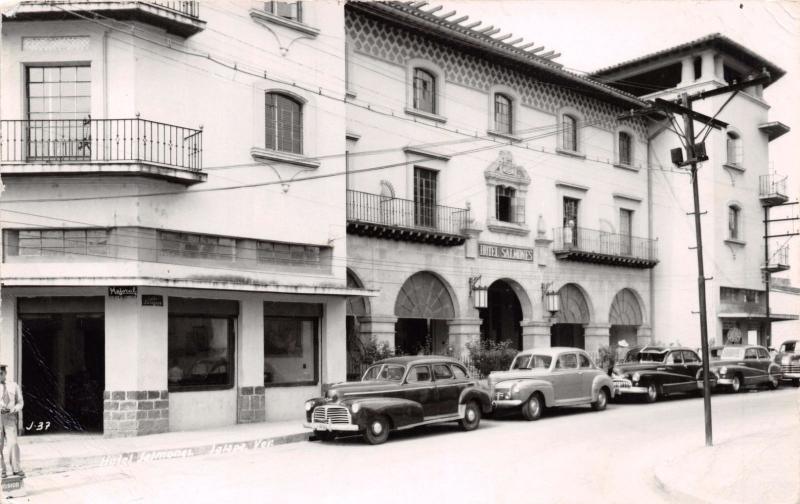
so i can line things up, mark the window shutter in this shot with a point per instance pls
(497, 193)
(269, 122)
(519, 209)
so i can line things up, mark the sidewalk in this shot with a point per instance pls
(59, 453)
(757, 469)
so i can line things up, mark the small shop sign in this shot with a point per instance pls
(503, 252)
(123, 292)
(152, 300)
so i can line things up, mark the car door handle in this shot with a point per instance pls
(661, 369)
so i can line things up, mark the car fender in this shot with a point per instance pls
(774, 369)
(600, 381)
(476, 394)
(400, 412)
(528, 386)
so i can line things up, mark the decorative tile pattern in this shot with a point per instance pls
(135, 412)
(393, 44)
(52, 44)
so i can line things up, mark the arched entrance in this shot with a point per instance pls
(500, 320)
(571, 319)
(625, 318)
(356, 307)
(422, 308)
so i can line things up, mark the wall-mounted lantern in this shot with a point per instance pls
(550, 298)
(480, 294)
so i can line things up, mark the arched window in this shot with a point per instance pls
(734, 149)
(424, 91)
(734, 216)
(284, 123)
(503, 114)
(625, 148)
(569, 133)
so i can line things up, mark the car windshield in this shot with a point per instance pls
(652, 356)
(732, 353)
(789, 347)
(532, 362)
(384, 372)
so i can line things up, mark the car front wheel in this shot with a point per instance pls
(652, 393)
(774, 381)
(736, 384)
(472, 417)
(532, 408)
(377, 430)
(602, 400)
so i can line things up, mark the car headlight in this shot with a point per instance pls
(723, 371)
(309, 405)
(515, 388)
(355, 407)
(635, 377)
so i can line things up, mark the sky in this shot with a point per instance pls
(592, 34)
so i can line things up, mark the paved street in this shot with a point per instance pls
(574, 455)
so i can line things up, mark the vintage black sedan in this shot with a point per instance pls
(660, 372)
(399, 393)
(741, 366)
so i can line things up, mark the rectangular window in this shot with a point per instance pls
(78, 243)
(625, 231)
(502, 114)
(287, 10)
(624, 148)
(504, 203)
(571, 221)
(196, 246)
(58, 107)
(200, 344)
(424, 197)
(291, 344)
(733, 223)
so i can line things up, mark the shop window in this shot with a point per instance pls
(291, 344)
(200, 346)
(284, 123)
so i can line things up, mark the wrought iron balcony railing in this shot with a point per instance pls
(401, 219)
(778, 260)
(100, 141)
(592, 245)
(772, 189)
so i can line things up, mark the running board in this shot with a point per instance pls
(452, 418)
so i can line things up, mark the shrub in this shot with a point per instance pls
(374, 350)
(606, 358)
(488, 356)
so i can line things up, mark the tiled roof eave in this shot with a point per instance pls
(399, 13)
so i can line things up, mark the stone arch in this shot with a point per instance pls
(425, 295)
(522, 296)
(357, 306)
(575, 307)
(626, 309)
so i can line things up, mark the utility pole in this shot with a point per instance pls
(688, 123)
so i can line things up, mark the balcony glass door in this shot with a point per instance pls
(424, 197)
(58, 101)
(625, 228)
(570, 236)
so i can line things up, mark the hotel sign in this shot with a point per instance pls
(503, 252)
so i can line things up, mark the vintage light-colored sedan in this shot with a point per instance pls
(546, 377)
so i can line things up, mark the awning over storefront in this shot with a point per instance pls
(761, 317)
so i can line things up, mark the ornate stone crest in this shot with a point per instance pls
(504, 169)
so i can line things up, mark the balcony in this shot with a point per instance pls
(406, 220)
(772, 189)
(178, 18)
(101, 146)
(601, 247)
(778, 261)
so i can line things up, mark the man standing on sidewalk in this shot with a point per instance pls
(10, 406)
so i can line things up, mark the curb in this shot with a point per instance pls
(662, 482)
(63, 464)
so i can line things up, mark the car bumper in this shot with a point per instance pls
(790, 376)
(319, 426)
(629, 390)
(506, 403)
(725, 381)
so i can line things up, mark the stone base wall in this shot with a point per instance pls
(251, 405)
(135, 412)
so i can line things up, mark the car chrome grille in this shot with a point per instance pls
(331, 414)
(622, 383)
(790, 368)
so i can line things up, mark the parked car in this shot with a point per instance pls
(744, 365)
(396, 394)
(547, 377)
(789, 359)
(660, 372)
(714, 353)
(632, 355)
